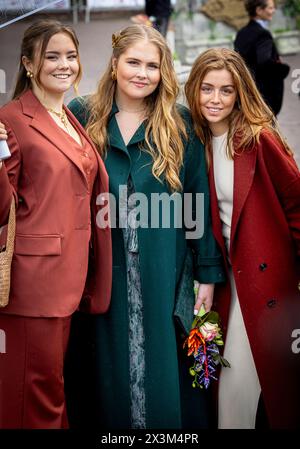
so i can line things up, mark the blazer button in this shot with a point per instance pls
(263, 266)
(239, 271)
(271, 303)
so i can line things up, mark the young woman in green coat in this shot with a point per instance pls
(132, 363)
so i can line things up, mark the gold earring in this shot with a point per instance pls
(29, 74)
(114, 74)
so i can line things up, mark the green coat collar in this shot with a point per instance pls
(115, 137)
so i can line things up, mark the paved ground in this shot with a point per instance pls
(95, 46)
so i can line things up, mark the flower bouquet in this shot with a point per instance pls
(203, 343)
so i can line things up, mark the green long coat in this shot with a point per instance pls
(99, 344)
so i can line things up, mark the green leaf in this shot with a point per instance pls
(213, 317)
(198, 321)
(224, 362)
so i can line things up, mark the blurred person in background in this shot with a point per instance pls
(256, 45)
(157, 14)
(160, 12)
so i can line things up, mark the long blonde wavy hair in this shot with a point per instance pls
(165, 130)
(250, 114)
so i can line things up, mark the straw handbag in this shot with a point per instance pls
(6, 256)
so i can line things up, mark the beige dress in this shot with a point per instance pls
(239, 387)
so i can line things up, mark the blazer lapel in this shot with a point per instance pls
(102, 170)
(244, 170)
(43, 124)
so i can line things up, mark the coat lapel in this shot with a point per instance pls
(244, 170)
(115, 136)
(43, 124)
(139, 135)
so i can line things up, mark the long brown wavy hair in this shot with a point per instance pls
(165, 128)
(250, 114)
(34, 44)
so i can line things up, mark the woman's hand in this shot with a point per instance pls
(205, 296)
(3, 132)
(3, 136)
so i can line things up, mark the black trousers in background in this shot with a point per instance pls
(161, 10)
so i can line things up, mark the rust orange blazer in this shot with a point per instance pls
(50, 275)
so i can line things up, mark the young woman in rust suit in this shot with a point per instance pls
(255, 199)
(55, 175)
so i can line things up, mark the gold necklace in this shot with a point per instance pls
(61, 115)
(132, 112)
